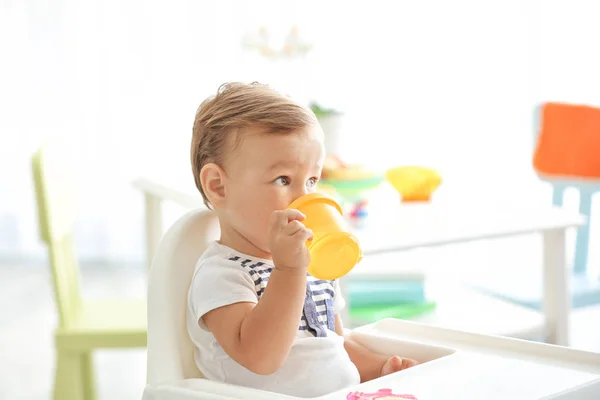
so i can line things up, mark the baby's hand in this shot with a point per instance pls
(395, 364)
(287, 240)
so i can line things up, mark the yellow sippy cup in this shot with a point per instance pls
(334, 251)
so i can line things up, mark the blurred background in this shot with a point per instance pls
(449, 85)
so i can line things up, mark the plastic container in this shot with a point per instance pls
(334, 251)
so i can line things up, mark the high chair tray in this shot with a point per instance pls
(454, 365)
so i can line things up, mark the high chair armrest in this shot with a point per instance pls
(446, 357)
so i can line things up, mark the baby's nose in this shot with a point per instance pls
(300, 192)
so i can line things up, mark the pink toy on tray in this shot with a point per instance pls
(382, 394)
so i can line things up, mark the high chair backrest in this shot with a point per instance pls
(55, 194)
(170, 350)
(569, 142)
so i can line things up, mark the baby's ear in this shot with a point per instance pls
(213, 178)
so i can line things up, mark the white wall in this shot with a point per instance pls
(447, 84)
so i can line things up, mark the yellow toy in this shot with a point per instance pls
(414, 183)
(334, 251)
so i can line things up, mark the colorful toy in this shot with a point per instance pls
(382, 394)
(334, 251)
(414, 183)
(359, 210)
(350, 182)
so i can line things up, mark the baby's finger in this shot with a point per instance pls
(278, 220)
(304, 234)
(294, 215)
(293, 227)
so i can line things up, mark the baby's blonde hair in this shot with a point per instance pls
(237, 106)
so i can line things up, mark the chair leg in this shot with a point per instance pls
(68, 380)
(87, 374)
(558, 192)
(583, 233)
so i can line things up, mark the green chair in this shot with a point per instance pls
(83, 326)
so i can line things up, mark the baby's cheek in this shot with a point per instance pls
(260, 227)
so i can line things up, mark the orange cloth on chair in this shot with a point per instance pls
(569, 141)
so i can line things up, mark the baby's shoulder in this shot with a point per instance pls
(218, 259)
(249, 265)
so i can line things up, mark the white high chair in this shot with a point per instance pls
(170, 350)
(171, 369)
(454, 364)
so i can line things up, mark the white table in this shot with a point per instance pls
(431, 225)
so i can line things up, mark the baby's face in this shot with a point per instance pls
(266, 172)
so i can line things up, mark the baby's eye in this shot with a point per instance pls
(282, 180)
(312, 182)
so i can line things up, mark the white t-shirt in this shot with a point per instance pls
(317, 363)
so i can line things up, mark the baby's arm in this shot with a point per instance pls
(370, 365)
(259, 336)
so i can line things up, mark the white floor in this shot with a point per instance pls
(27, 317)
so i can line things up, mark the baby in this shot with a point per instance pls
(255, 316)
